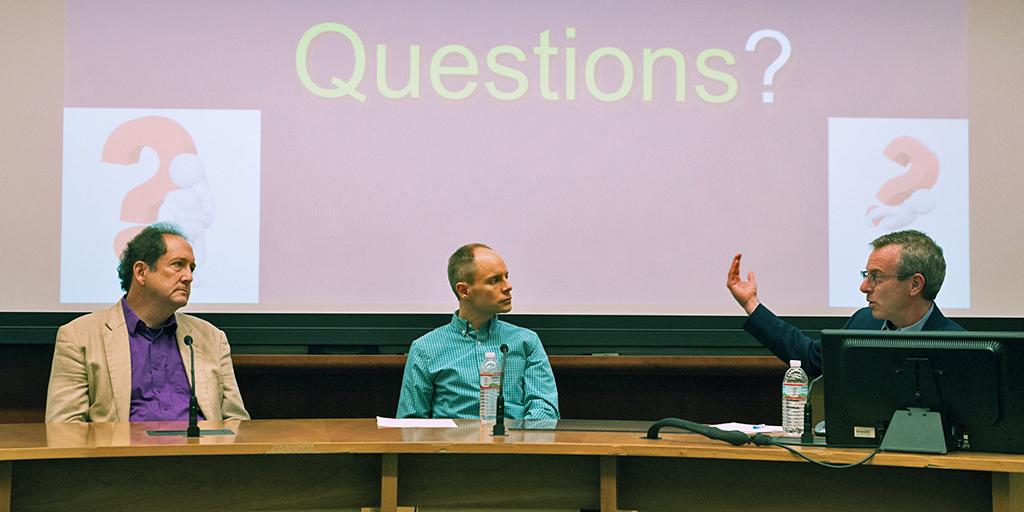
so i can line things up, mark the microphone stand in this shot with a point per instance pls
(808, 434)
(193, 402)
(193, 407)
(499, 416)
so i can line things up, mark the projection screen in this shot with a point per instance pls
(329, 156)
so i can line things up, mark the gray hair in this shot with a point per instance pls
(919, 254)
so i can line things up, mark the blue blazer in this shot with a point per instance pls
(787, 342)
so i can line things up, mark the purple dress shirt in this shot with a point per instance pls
(160, 387)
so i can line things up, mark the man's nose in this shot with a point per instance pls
(865, 285)
(186, 276)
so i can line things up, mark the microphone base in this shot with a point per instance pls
(192, 431)
(498, 430)
(795, 441)
(184, 433)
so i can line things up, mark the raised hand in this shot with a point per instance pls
(745, 292)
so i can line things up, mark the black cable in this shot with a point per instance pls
(739, 438)
(771, 441)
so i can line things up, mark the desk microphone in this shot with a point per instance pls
(808, 434)
(499, 413)
(193, 402)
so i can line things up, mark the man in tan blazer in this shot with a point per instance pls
(130, 362)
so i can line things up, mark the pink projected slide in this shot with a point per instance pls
(618, 154)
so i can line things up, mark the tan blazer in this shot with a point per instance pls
(91, 377)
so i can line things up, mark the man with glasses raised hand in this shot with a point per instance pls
(904, 274)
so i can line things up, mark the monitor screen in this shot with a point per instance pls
(971, 384)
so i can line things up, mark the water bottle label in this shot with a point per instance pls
(794, 391)
(489, 381)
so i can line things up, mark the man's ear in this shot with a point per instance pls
(916, 284)
(462, 290)
(139, 271)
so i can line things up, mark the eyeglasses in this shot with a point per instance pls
(874, 276)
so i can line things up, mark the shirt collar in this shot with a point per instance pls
(132, 320)
(466, 329)
(919, 325)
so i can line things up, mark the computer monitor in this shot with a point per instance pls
(927, 392)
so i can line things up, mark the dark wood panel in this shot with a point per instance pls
(668, 484)
(524, 481)
(696, 365)
(24, 375)
(708, 389)
(278, 482)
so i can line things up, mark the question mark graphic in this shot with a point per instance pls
(124, 146)
(786, 51)
(923, 169)
(906, 195)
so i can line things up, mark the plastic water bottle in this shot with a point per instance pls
(794, 397)
(490, 384)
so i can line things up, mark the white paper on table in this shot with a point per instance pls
(747, 428)
(415, 423)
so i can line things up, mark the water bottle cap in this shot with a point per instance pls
(489, 354)
(794, 363)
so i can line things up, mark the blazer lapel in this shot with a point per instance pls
(119, 361)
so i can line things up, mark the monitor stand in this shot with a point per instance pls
(915, 430)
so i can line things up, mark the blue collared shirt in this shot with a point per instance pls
(442, 373)
(889, 326)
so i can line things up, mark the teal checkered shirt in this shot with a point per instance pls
(442, 373)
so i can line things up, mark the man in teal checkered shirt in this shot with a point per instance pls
(442, 378)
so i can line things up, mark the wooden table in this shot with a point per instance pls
(329, 464)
